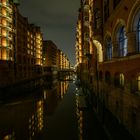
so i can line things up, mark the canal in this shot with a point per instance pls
(49, 113)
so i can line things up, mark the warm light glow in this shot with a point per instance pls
(4, 23)
(3, 2)
(99, 50)
(3, 11)
(121, 79)
(6, 52)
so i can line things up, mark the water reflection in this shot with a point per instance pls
(26, 119)
(79, 114)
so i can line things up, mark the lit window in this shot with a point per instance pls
(3, 11)
(138, 83)
(122, 41)
(121, 80)
(4, 42)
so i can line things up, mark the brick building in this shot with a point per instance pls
(114, 65)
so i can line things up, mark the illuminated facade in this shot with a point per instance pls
(78, 44)
(6, 30)
(20, 46)
(28, 52)
(84, 43)
(114, 63)
(7, 42)
(62, 61)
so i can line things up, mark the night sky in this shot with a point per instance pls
(57, 19)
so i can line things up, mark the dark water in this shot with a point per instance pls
(48, 114)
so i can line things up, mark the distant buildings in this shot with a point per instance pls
(54, 57)
(23, 55)
(108, 58)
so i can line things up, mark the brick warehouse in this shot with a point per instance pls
(114, 64)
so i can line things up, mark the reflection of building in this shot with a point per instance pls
(79, 114)
(62, 88)
(115, 60)
(22, 121)
(50, 99)
(36, 121)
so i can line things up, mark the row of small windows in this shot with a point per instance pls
(119, 80)
(120, 45)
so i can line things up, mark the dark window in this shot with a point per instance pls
(97, 19)
(107, 77)
(108, 48)
(138, 35)
(106, 9)
(116, 80)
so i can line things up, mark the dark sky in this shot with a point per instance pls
(57, 19)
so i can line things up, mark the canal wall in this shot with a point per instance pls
(113, 113)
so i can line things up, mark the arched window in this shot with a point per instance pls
(108, 48)
(138, 83)
(121, 80)
(138, 35)
(116, 80)
(136, 28)
(122, 41)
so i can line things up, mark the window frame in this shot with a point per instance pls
(109, 48)
(122, 41)
(138, 83)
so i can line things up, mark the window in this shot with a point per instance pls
(106, 9)
(121, 80)
(116, 80)
(138, 35)
(122, 41)
(108, 48)
(138, 83)
(97, 17)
